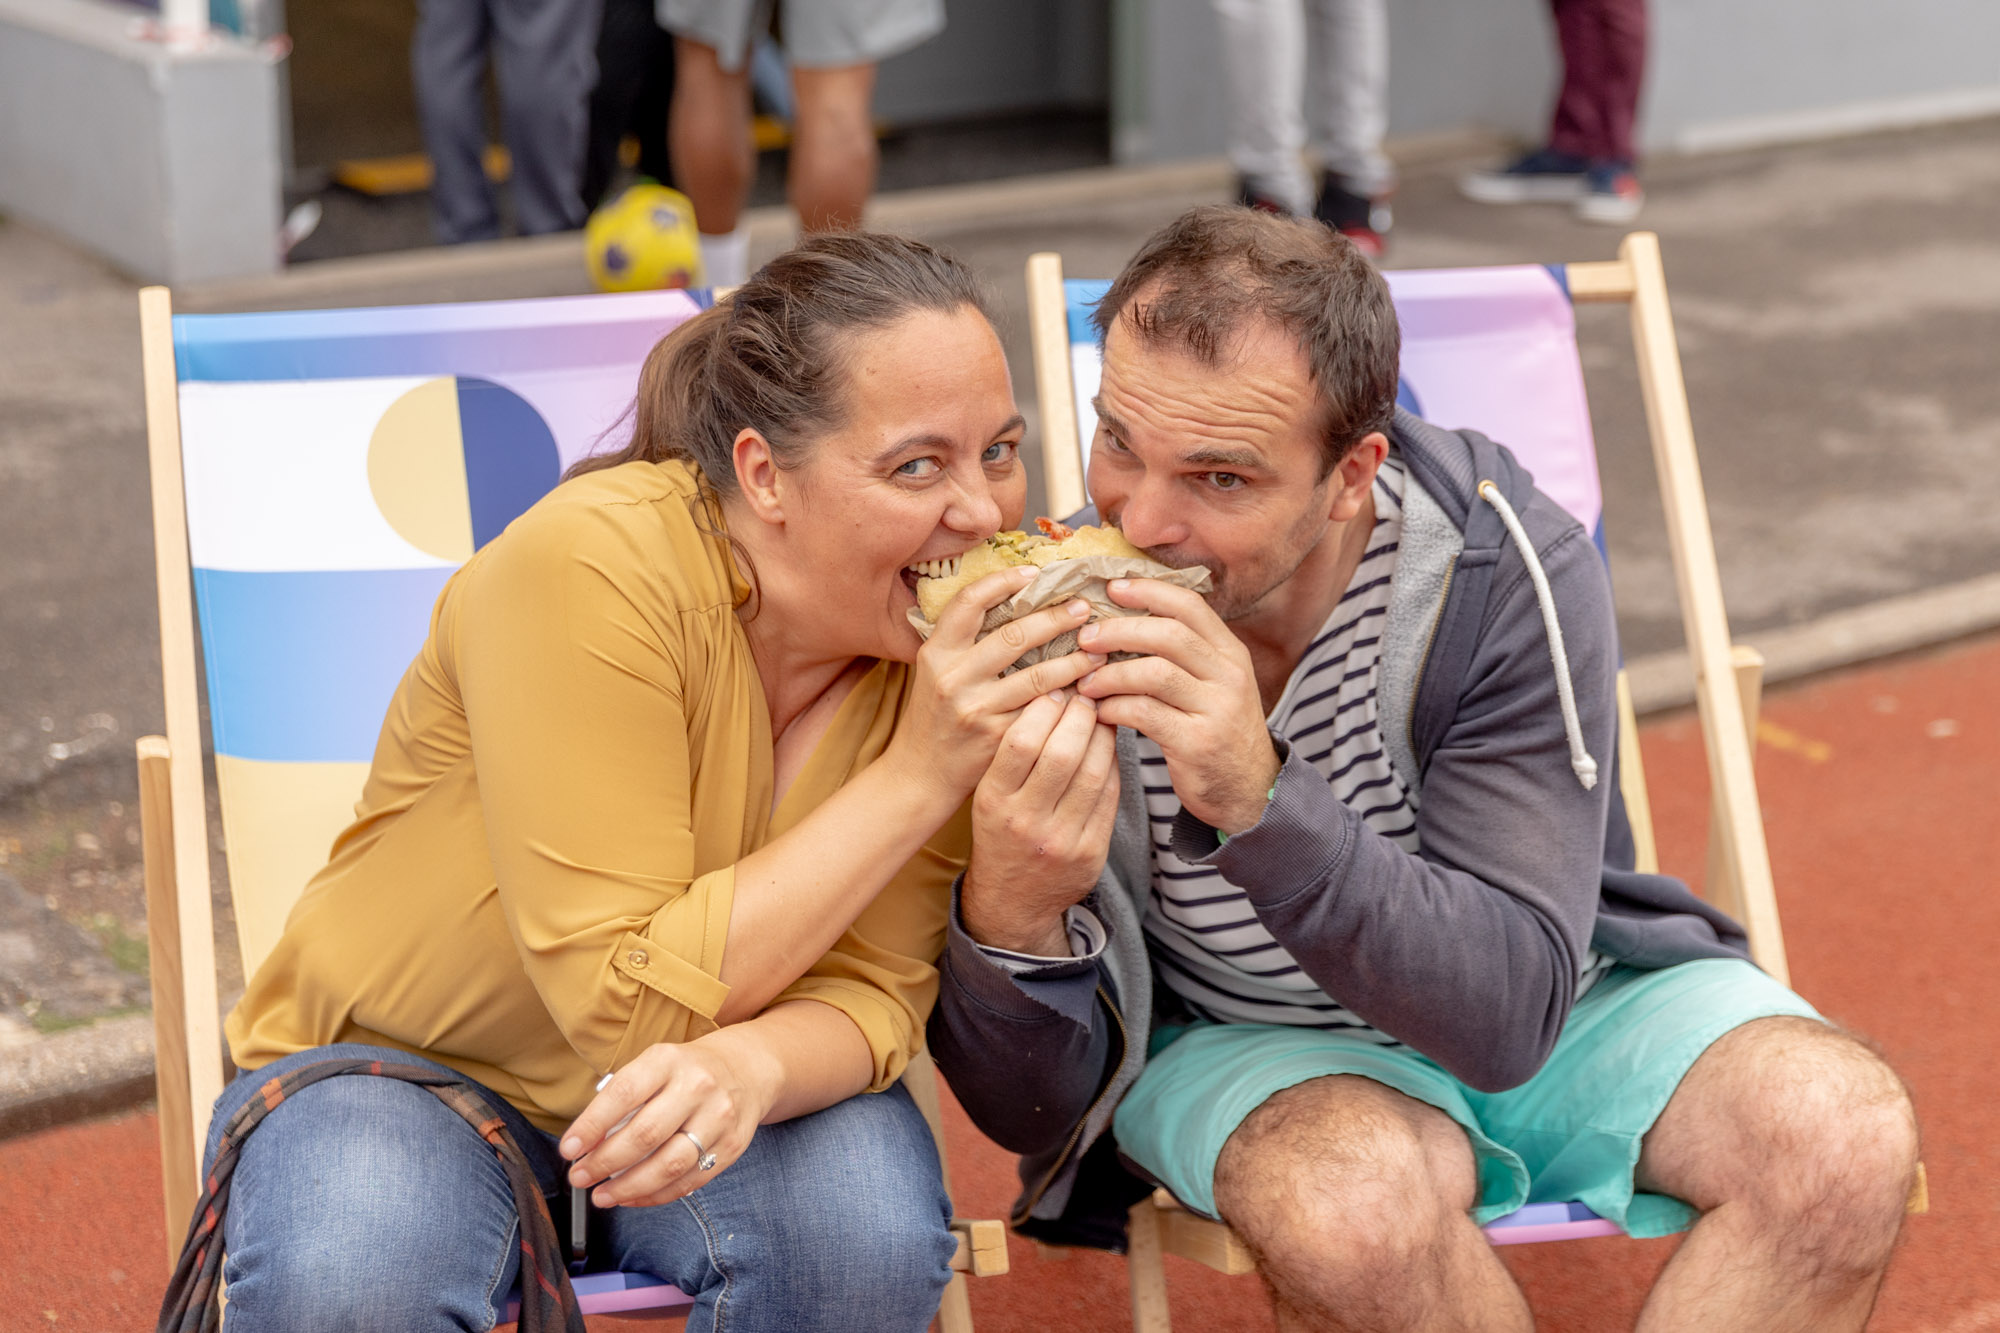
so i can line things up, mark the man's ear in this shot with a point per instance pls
(758, 476)
(1354, 474)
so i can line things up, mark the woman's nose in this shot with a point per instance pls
(975, 510)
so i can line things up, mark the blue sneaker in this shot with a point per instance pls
(1613, 197)
(1541, 177)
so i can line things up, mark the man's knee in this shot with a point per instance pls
(1807, 1129)
(1341, 1175)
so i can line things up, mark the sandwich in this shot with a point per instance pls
(1074, 563)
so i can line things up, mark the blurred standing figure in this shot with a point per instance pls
(1589, 157)
(545, 56)
(635, 85)
(1268, 49)
(834, 46)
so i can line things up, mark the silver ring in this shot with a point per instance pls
(704, 1159)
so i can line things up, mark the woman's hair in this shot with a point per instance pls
(773, 356)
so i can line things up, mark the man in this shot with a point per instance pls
(1364, 963)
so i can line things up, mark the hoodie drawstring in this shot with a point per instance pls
(1580, 761)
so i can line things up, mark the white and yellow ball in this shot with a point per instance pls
(643, 240)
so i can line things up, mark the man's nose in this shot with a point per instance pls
(1148, 518)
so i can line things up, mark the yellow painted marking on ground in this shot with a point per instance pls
(1781, 738)
(407, 173)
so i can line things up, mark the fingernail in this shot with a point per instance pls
(1097, 659)
(1119, 585)
(1026, 573)
(1056, 697)
(1086, 679)
(1078, 610)
(571, 1147)
(1087, 635)
(578, 1176)
(601, 1198)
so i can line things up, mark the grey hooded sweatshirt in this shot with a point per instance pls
(1469, 951)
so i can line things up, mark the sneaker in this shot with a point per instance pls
(1258, 200)
(1362, 220)
(1541, 177)
(1614, 197)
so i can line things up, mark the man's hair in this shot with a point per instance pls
(1214, 270)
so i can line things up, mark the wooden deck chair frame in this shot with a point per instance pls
(173, 806)
(1728, 677)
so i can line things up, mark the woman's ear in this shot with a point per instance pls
(757, 476)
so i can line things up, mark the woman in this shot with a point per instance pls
(670, 792)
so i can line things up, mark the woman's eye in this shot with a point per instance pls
(918, 467)
(1000, 451)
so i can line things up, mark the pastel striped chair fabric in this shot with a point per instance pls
(1491, 349)
(339, 465)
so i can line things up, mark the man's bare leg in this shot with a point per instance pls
(708, 133)
(1799, 1146)
(1355, 1201)
(833, 146)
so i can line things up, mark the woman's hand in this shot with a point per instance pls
(1041, 825)
(960, 705)
(718, 1088)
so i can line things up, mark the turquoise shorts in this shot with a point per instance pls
(1570, 1134)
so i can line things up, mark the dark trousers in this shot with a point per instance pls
(1604, 61)
(546, 57)
(635, 84)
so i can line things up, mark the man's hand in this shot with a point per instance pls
(1194, 695)
(1041, 824)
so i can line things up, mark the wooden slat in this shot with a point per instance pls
(163, 970)
(1604, 280)
(982, 1247)
(1723, 888)
(202, 1022)
(1632, 783)
(1048, 329)
(1146, 1270)
(1201, 1239)
(1700, 587)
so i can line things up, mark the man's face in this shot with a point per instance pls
(1215, 465)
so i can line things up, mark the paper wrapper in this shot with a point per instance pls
(1069, 580)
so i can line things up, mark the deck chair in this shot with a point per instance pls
(1495, 349)
(317, 476)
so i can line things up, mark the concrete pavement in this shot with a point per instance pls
(1837, 304)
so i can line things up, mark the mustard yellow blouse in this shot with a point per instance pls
(537, 882)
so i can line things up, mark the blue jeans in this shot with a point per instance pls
(366, 1202)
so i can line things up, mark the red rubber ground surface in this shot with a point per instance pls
(1879, 798)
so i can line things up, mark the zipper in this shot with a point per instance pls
(1035, 1196)
(1424, 662)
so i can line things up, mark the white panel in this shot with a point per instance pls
(1085, 369)
(277, 476)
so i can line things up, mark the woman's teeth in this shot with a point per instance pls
(935, 569)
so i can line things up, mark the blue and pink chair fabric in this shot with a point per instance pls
(338, 466)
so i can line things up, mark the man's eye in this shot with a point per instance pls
(1225, 481)
(1110, 441)
(918, 467)
(1000, 451)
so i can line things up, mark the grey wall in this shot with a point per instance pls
(166, 164)
(1720, 73)
(999, 56)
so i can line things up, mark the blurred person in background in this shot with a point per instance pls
(1268, 48)
(635, 84)
(1588, 160)
(833, 46)
(544, 54)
